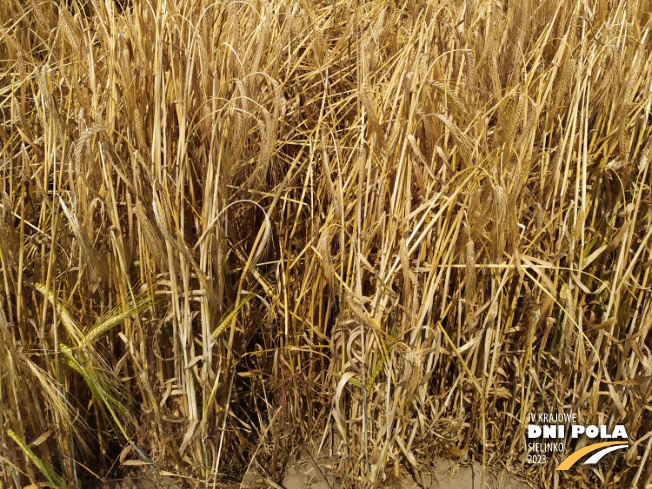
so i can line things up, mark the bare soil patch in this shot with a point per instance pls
(443, 474)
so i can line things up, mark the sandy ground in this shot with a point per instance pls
(444, 475)
(303, 474)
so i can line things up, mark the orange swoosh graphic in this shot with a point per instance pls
(571, 459)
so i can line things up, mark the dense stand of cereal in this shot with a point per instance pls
(229, 229)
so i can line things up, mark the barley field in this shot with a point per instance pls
(233, 232)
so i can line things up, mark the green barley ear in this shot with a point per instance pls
(228, 319)
(104, 386)
(65, 317)
(45, 468)
(115, 317)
